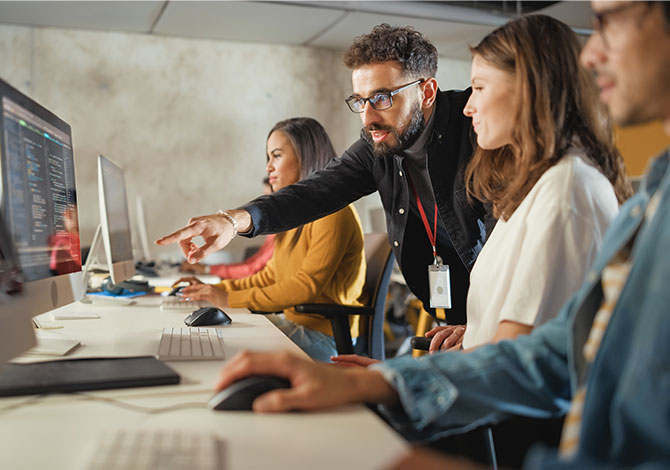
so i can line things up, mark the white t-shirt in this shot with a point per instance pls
(533, 262)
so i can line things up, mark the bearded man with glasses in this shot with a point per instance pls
(414, 147)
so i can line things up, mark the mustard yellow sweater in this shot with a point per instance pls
(325, 265)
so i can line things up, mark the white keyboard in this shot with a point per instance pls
(174, 303)
(157, 449)
(191, 344)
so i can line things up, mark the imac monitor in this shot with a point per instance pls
(114, 220)
(38, 202)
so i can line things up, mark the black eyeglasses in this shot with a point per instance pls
(379, 101)
(601, 19)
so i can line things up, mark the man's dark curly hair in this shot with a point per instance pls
(414, 52)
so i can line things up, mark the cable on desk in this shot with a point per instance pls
(137, 408)
(21, 404)
(110, 401)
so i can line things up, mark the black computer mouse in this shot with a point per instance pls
(241, 394)
(176, 290)
(207, 316)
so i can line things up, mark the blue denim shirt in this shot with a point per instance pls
(626, 416)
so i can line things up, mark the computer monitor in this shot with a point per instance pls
(114, 220)
(39, 207)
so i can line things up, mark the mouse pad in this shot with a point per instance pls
(76, 375)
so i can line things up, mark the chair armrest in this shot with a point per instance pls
(334, 310)
(339, 320)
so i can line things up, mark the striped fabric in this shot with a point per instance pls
(613, 278)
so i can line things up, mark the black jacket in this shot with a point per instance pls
(358, 173)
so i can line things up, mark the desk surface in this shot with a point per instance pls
(61, 431)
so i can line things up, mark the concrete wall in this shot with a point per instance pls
(186, 118)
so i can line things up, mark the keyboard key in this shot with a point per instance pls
(196, 347)
(217, 346)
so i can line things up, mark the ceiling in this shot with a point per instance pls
(451, 26)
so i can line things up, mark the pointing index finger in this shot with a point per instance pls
(185, 233)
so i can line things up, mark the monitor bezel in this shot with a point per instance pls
(141, 222)
(122, 269)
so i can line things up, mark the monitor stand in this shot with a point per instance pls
(91, 259)
(48, 343)
(53, 346)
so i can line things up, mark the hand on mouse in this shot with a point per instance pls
(313, 385)
(212, 294)
(216, 229)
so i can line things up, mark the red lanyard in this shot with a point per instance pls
(431, 237)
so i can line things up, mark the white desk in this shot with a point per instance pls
(61, 431)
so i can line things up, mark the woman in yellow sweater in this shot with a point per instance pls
(320, 262)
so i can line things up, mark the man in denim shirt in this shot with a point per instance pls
(618, 394)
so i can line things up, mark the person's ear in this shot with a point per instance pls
(429, 88)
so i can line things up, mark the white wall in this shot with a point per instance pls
(186, 118)
(453, 74)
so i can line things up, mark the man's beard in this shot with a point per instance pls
(404, 140)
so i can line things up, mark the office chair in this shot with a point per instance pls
(379, 260)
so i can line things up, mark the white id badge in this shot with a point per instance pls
(439, 284)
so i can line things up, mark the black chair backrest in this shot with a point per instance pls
(379, 260)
